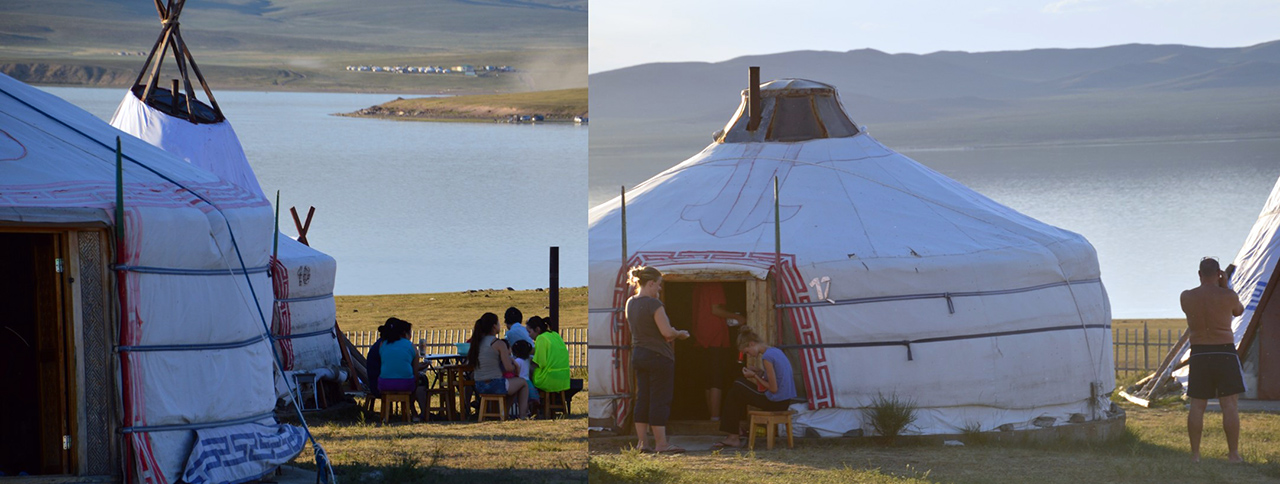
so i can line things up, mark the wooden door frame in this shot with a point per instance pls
(70, 316)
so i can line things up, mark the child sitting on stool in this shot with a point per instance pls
(521, 351)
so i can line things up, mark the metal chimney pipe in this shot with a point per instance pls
(754, 106)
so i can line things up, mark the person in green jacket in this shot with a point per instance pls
(550, 358)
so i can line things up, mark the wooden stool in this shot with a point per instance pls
(770, 420)
(501, 412)
(369, 399)
(442, 402)
(552, 402)
(391, 399)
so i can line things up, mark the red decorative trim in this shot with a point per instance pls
(804, 322)
(131, 323)
(20, 145)
(282, 321)
(102, 194)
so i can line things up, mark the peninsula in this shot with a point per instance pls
(563, 105)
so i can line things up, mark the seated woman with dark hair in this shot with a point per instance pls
(774, 377)
(400, 363)
(550, 358)
(492, 358)
(373, 361)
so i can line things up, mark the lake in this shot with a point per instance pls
(411, 207)
(1151, 210)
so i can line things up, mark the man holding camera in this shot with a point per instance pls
(1215, 367)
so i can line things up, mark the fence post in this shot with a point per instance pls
(1146, 344)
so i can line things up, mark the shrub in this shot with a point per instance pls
(890, 415)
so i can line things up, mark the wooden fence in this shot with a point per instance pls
(1138, 351)
(438, 341)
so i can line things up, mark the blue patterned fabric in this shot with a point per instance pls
(241, 453)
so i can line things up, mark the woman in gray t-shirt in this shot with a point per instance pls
(653, 358)
(492, 362)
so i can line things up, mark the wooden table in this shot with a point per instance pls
(435, 364)
(461, 389)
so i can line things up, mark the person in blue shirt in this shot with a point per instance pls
(400, 362)
(768, 388)
(515, 330)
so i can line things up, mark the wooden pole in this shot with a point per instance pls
(554, 290)
(182, 71)
(275, 238)
(777, 254)
(625, 256)
(173, 100)
(155, 68)
(150, 56)
(119, 202)
(300, 225)
(205, 85)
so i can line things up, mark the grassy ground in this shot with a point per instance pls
(559, 105)
(456, 310)
(1153, 449)
(362, 450)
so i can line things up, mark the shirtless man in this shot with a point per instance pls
(1215, 369)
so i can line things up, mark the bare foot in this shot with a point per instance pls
(1235, 459)
(1195, 458)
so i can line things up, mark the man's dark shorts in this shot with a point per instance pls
(1215, 372)
(719, 362)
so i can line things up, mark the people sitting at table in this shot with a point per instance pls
(490, 356)
(520, 352)
(373, 362)
(769, 388)
(400, 362)
(550, 358)
(515, 330)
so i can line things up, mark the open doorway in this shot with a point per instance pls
(34, 350)
(695, 368)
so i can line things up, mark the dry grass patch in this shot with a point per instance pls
(1154, 449)
(364, 451)
(456, 310)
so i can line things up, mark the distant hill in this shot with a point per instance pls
(646, 118)
(310, 40)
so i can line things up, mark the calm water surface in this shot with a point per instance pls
(410, 207)
(1151, 210)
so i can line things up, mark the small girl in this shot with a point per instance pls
(521, 350)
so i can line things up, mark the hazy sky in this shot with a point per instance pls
(629, 32)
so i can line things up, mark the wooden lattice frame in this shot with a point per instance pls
(171, 37)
